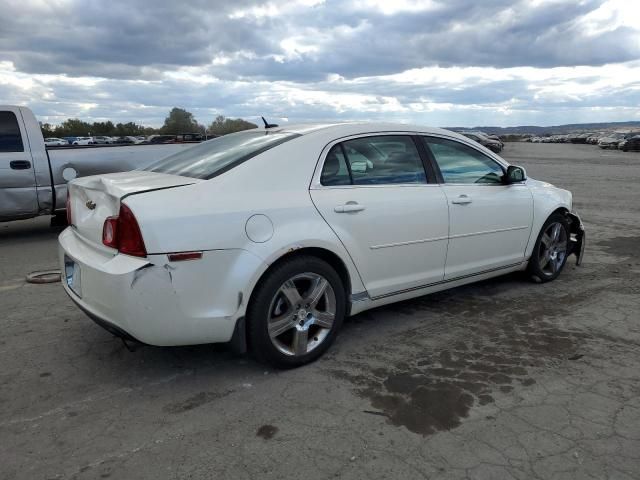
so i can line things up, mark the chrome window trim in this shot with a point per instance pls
(315, 180)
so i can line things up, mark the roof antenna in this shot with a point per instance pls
(268, 125)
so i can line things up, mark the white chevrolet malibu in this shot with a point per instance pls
(268, 238)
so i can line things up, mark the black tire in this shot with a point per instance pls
(59, 219)
(259, 311)
(537, 273)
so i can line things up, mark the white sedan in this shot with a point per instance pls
(271, 237)
(84, 141)
(55, 142)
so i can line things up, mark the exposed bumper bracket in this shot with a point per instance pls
(578, 241)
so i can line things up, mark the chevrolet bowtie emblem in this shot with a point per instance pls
(91, 205)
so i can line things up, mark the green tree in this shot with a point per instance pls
(128, 129)
(222, 125)
(73, 127)
(47, 129)
(103, 128)
(180, 121)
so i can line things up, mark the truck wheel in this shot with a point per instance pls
(59, 219)
(296, 312)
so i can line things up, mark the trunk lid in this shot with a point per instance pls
(95, 198)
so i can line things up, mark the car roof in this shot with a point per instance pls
(335, 131)
(354, 128)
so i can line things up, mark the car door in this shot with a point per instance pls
(17, 174)
(374, 193)
(489, 221)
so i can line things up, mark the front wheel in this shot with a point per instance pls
(296, 312)
(550, 250)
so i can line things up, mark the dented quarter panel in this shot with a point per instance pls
(197, 307)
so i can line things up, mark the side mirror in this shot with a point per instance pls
(515, 175)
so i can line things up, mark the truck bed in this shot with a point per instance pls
(70, 163)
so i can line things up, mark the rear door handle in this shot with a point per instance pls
(20, 165)
(348, 208)
(461, 200)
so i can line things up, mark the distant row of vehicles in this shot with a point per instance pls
(625, 141)
(125, 140)
(492, 142)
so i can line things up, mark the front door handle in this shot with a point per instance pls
(349, 207)
(462, 200)
(20, 165)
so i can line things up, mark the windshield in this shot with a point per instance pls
(216, 156)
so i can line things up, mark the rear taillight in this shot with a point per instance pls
(109, 232)
(123, 233)
(68, 207)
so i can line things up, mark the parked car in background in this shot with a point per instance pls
(491, 137)
(630, 144)
(84, 141)
(155, 139)
(578, 137)
(55, 142)
(189, 137)
(271, 237)
(123, 140)
(102, 140)
(493, 145)
(611, 140)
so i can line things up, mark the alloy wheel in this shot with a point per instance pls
(553, 249)
(301, 314)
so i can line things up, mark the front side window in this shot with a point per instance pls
(460, 163)
(211, 158)
(10, 138)
(375, 160)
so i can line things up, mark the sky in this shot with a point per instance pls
(430, 62)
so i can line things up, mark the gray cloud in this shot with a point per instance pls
(151, 55)
(124, 40)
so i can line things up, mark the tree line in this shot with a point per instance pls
(178, 121)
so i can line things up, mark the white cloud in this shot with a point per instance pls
(435, 62)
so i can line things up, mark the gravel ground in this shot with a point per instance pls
(501, 379)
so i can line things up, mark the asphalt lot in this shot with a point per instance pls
(502, 379)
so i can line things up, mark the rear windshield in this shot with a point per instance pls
(216, 156)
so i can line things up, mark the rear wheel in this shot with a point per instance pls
(550, 251)
(296, 312)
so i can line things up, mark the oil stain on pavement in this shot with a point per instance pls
(267, 431)
(496, 345)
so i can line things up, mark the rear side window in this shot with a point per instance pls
(335, 170)
(10, 138)
(214, 157)
(375, 160)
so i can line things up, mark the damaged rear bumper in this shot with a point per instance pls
(153, 300)
(578, 238)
